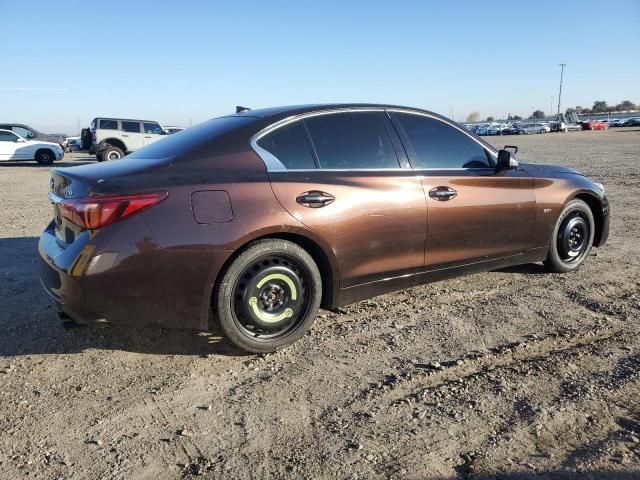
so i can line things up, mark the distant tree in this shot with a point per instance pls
(490, 119)
(599, 106)
(578, 109)
(626, 105)
(516, 117)
(473, 117)
(537, 114)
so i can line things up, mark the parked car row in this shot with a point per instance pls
(510, 128)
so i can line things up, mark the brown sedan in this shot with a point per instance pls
(266, 215)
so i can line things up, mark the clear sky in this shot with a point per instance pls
(185, 61)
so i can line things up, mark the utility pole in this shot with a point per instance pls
(562, 65)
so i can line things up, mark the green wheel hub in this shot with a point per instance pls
(270, 297)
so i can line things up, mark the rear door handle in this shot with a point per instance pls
(442, 193)
(315, 199)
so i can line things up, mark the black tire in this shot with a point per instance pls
(112, 153)
(99, 157)
(269, 296)
(572, 238)
(542, 130)
(45, 157)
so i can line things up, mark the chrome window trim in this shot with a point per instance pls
(274, 165)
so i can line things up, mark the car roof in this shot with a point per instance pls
(290, 110)
(125, 119)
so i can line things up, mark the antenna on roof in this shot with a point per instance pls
(240, 109)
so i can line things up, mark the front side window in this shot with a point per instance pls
(290, 146)
(438, 145)
(352, 140)
(7, 137)
(23, 132)
(108, 124)
(153, 128)
(133, 127)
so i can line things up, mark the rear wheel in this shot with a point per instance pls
(99, 157)
(112, 153)
(572, 238)
(269, 296)
(45, 157)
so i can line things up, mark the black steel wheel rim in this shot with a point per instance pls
(271, 297)
(573, 237)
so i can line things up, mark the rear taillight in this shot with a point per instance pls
(93, 213)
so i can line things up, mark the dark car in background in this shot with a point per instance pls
(30, 133)
(264, 216)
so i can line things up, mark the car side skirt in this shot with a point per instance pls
(356, 293)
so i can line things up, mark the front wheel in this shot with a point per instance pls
(44, 157)
(269, 296)
(572, 238)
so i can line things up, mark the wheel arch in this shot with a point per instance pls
(327, 266)
(597, 209)
(113, 142)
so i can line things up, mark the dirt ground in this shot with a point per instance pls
(511, 374)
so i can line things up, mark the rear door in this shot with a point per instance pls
(344, 175)
(132, 135)
(152, 132)
(475, 213)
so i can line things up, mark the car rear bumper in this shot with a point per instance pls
(104, 282)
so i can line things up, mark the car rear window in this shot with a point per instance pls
(353, 140)
(108, 124)
(289, 145)
(190, 138)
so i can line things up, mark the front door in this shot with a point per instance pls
(344, 181)
(10, 148)
(152, 132)
(475, 213)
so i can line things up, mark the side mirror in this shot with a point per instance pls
(20, 140)
(506, 160)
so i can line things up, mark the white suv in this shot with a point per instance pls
(113, 138)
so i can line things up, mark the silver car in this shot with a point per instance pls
(533, 128)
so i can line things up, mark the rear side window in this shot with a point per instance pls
(353, 140)
(289, 145)
(133, 127)
(438, 145)
(153, 128)
(108, 124)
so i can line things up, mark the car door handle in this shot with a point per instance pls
(124, 135)
(147, 137)
(442, 193)
(315, 199)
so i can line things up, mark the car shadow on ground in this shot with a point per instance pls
(30, 324)
(528, 268)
